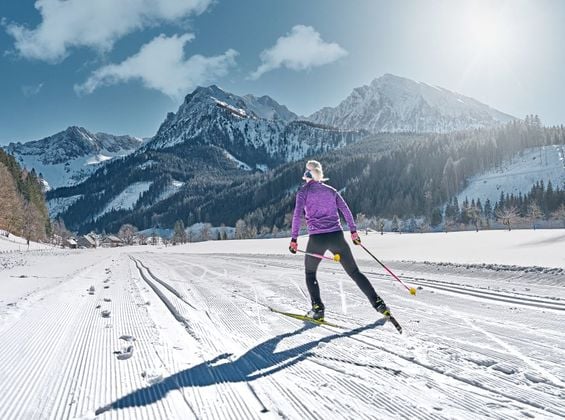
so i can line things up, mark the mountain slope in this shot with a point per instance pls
(392, 104)
(214, 142)
(256, 131)
(70, 156)
(518, 174)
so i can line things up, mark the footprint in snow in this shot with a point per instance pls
(90, 290)
(152, 376)
(125, 353)
(107, 300)
(105, 313)
(127, 338)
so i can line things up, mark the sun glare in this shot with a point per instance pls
(487, 31)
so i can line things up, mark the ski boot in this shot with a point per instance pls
(317, 312)
(381, 307)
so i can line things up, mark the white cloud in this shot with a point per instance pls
(161, 65)
(93, 23)
(301, 49)
(31, 90)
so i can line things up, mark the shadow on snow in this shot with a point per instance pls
(258, 362)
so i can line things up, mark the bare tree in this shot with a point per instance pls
(127, 233)
(60, 232)
(362, 222)
(534, 213)
(240, 229)
(205, 232)
(474, 215)
(31, 230)
(508, 216)
(381, 226)
(11, 203)
(559, 214)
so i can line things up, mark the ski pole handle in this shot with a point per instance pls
(335, 258)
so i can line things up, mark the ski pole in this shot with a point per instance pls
(335, 258)
(412, 290)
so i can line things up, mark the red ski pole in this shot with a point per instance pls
(412, 290)
(335, 258)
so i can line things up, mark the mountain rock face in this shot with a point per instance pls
(257, 131)
(215, 141)
(70, 156)
(396, 104)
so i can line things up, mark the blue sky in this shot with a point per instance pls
(109, 68)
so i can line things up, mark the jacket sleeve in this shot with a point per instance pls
(344, 209)
(298, 211)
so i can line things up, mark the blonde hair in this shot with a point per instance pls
(316, 170)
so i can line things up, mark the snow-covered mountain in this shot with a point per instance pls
(257, 132)
(214, 139)
(396, 104)
(518, 174)
(70, 156)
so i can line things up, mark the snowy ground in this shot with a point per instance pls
(178, 333)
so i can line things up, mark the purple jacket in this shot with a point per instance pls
(320, 203)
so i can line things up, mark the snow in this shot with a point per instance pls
(239, 163)
(187, 335)
(170, 190)
(519, 174)
(59, 205)
(127, 198)
(396, 104)
(95, 160)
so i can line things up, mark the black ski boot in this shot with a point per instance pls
(381, 307)
(317, 312)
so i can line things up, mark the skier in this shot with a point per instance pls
(321, 203)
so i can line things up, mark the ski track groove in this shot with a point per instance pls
(226, 392)
(38, 363)
(535, 302)
(362, 398)
(522, 397)
(234, 327)
(66, 378)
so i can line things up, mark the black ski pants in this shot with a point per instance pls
(335, 242)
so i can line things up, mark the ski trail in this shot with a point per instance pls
(343, 298)
(512, 350)
(488, 382)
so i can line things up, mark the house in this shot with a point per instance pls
(112, 241)
(86, 241)
(70, 243)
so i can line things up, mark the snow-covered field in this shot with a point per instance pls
(182, 332)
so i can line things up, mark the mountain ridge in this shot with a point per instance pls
(396, 104)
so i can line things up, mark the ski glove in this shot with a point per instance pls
(355, 238)
(293, 247)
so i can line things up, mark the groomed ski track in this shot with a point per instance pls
(202, 344)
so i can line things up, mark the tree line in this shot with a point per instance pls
(23, 211)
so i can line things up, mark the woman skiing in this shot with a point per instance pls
(320, 204)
